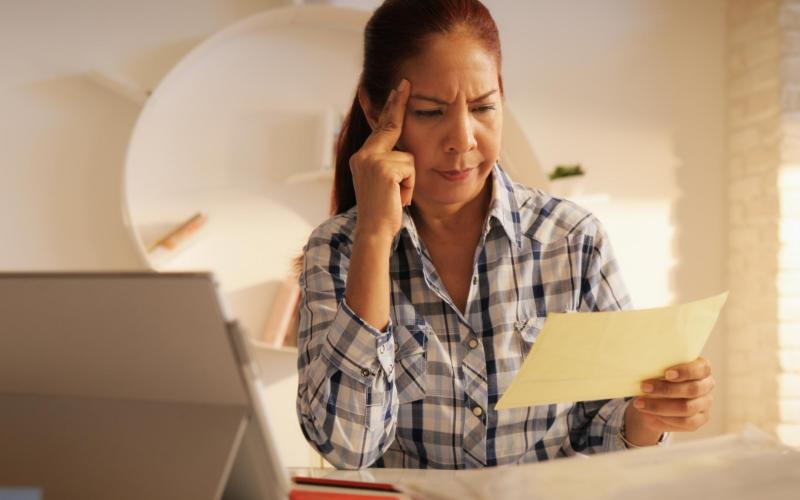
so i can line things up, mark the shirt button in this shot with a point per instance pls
(474, 280)
(473, 343)
(477, 411)
(381, 349)
(365, 372)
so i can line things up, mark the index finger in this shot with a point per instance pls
(390, 123)
(694, 370)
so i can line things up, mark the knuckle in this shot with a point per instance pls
(361, 157)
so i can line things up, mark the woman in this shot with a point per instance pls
(422, 296)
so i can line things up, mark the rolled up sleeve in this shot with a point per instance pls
(346, 400)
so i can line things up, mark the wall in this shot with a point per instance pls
(632, 89)
(764, 189)
(63, 136)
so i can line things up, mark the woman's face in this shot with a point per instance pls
(454, 119)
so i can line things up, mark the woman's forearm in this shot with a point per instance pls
(367, 291)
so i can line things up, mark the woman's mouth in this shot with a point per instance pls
(456, 175)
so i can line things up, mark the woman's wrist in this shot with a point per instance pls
(636, 432)
(373, 238)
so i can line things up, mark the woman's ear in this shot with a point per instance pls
(366, 106)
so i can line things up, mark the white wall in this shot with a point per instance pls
(63, 137)
(632, 89)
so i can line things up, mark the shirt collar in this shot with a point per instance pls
(503, 208)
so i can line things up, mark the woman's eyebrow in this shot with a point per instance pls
(443, 102)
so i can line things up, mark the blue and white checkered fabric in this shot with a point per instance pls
(422, 393)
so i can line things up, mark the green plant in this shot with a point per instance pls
(566, 171)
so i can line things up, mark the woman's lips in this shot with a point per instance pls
(455, 175)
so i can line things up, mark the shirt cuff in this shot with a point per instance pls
(612, 431)
(357, 348)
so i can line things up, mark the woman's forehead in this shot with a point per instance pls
(451, 65)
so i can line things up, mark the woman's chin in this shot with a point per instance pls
(452, 196)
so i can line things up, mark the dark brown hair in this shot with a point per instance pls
(397, 32)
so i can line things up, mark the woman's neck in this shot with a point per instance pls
(444, 221)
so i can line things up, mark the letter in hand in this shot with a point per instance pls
(383, 177)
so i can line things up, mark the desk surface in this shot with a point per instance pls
(735, 467)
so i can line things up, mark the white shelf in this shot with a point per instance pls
(316, 175)
(120, 85)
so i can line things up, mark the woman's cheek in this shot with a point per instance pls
(414, 141)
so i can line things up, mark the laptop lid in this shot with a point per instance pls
(123, 385)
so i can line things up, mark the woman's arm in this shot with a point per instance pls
(346, 401)
(680, 403)
(594, 426)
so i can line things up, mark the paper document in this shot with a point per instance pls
(604, 355)
(750, 465)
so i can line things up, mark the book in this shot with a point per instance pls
(282, 316)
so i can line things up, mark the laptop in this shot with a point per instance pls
(129, 386)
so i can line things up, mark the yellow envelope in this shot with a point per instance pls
(605, 355)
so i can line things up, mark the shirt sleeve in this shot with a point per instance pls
(346, 399)
(594, 426)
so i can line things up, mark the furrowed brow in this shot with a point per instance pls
(444, 103)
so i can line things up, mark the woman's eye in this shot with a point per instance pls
(484, 109)
(428, 112)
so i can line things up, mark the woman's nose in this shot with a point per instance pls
(460, 136)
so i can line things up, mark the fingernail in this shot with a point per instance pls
(647, 387)
(638, 404)
(402, 85)
(671, 374)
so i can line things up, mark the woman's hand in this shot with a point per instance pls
(681, 401)
(383, 178)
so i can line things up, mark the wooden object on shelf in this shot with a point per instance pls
(183, 231)
(282, 315)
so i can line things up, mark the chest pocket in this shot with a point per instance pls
(526, 331)
(411, 361)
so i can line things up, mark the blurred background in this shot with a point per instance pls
(682, 113)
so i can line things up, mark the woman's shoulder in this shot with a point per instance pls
(546, 217)
(337, 229)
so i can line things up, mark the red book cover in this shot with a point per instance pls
(325, 495)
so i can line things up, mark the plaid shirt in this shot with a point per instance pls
(422, 393)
